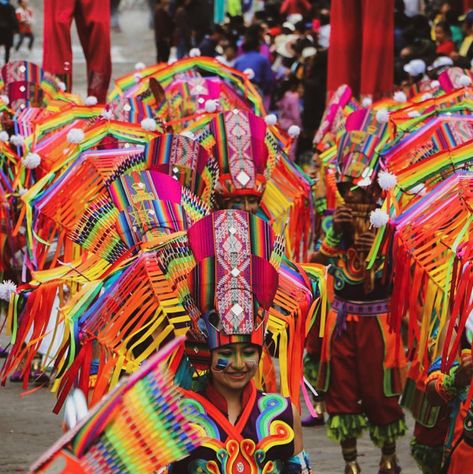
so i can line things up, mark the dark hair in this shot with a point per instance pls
(445, 27)
(251, 43)
(217, 29)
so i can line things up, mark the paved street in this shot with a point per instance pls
(27, 425)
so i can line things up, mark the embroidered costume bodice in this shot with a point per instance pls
(261, 440)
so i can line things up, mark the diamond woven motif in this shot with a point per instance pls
(237, 309)
(243, 178)
(233, 293)
(235, 272)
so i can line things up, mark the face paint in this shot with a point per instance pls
(236, 356)
(221, 364)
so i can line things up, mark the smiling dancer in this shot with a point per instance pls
(233, 285)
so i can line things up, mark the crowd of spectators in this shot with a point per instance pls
(439, 35)
(283, 46)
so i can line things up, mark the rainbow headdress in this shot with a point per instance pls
(443, 132)
(235, 278)
(27, 85)
(237, 140)
(252, 161)
(187, 161)
(137, 84)
(133, 212)
(433, 237)
(356, 156)
(138, 428)
(241, 290)
(188, 97)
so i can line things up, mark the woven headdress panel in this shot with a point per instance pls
(234, 277)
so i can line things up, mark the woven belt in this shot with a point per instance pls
(358, 308)
(361, 308)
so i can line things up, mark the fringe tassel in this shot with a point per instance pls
(345, 426)
(381, 435)
(428, 458)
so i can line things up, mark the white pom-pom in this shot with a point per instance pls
(427, 96)
(17, 140)
(386, 180)
(413, 114)
(364, 182)
(80, 403)
(382, 116)
(149, 124)
(400, 96)
(434, 84)
(188, 134)
(367, 102)
(294, 131)
(5, 99)
(4, 136)
(91, 100)
(107, 114)
(139, 66)
(75, 135)
(31, 161)
(210, 106)
(464, 81)
(70, 415)
(378, 218)
(249, 73)
(271, 119)
(7, 287)
(62, 86)
(194, 53)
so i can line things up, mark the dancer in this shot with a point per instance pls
(360, 366)
(24, 14)
(233, 285)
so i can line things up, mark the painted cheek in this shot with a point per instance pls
(221, 364)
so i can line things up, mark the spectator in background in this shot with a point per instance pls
(259, 65)
(8, 26)
(229, 55)
(464, 55)
(324, 30)
(114, 16)
(289, 7)
(443, 39)
(210, 42)
(200, 19)
(451, 17)
(183, 30)
(163, 31)
(289, 106)
(24, 15)
(315, 87)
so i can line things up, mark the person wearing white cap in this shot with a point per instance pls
(440, 64)
(415, 68)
